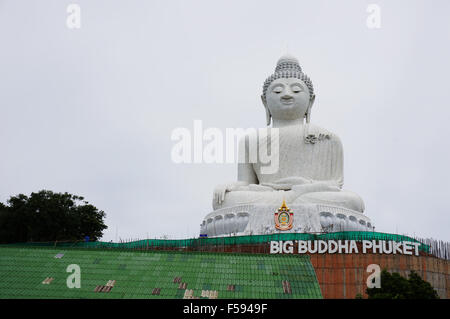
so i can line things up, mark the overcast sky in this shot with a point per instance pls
(90, 111)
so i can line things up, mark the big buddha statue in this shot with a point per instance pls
(309, 177)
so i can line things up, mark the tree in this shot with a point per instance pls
(49, 216)
(394, 286)
(420, 289)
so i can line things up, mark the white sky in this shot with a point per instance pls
(90, 111)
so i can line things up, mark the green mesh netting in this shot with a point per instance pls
(196, 243)
(137, 274)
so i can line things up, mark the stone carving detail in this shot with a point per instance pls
(312, 139)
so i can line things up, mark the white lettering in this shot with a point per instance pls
(396, 248)
(334, 249)
(343, 246)
(302, 247)
(374, 280)
(416, 248)
(73, 21)
(385, 248)
(288, 247)
(377, 246)
(407, 248)
(366, 245)
(181, 152)
(213, 152)
(274, 247)
(198, 143)
(374, 19)
(274, 142)
(312, 250)
(353, 247)
(323, 246)
(74, 279)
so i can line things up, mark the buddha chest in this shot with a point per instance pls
(317, 157)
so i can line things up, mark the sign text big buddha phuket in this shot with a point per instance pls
(345, 247)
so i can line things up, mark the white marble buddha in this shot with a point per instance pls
(310, 168)
(310, 157)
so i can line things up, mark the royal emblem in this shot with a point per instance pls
(284, 218)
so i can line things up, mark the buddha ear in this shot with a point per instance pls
(308, 111)
(268, 115)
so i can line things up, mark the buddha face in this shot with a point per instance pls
(287, 99)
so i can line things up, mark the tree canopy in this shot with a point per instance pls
(394, 286)
(48, 216)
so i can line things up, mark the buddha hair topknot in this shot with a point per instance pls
(288, 67)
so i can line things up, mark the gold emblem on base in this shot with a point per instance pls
(284, 218)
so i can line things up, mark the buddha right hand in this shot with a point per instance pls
(219, 191)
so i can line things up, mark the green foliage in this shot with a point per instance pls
(48, 216)
(394, 286)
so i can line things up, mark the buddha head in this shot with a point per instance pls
(288, 94)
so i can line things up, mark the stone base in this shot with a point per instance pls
(259, 220)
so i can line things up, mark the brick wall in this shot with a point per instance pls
(344, 276)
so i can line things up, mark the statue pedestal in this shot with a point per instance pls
(258, 219)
